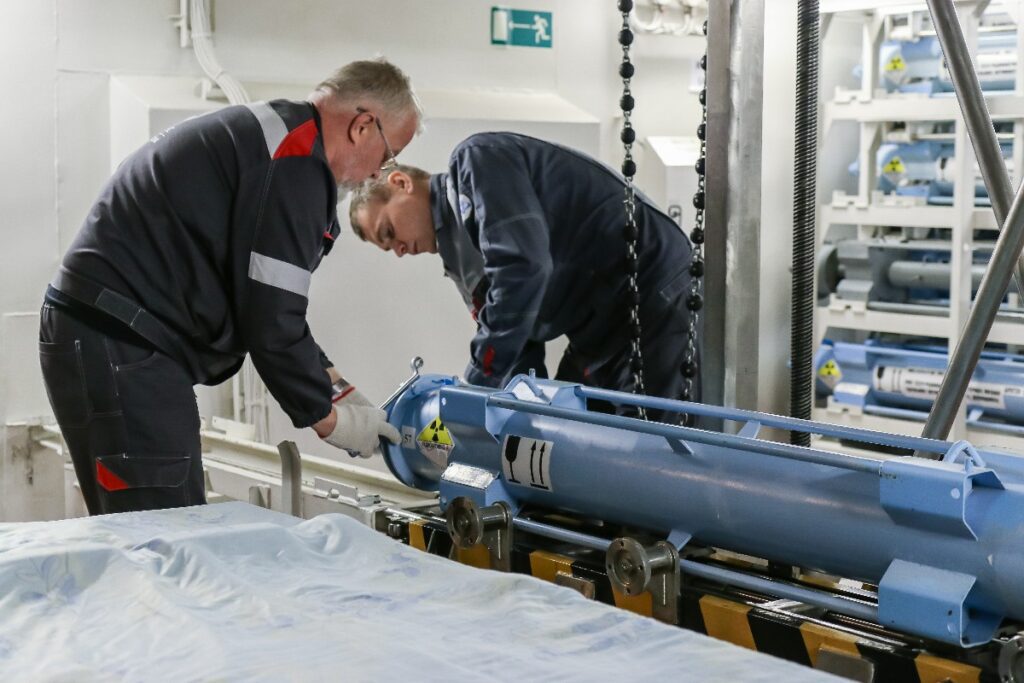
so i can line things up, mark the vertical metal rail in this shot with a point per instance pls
(732, 252)
(979, 323)
(975, 111)
(742, 326)
(804, 213)
(717, 187)
(1006, 261)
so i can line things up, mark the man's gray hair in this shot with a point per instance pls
(377, 190)
(373, 79)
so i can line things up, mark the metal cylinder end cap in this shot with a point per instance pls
(629, 569)
(1011, 660)
(464, 523)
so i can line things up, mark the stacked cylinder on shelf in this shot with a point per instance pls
(902, 381)
(926, 167)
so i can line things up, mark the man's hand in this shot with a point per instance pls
(325, 426)
(357, 429)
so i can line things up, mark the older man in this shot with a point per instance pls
(200, 249)
(532, 235)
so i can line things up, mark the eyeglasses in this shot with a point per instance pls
(390, 162)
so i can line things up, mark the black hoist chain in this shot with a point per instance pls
(695, 299)
(632, 231)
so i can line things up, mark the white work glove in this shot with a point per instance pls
(343, 393)
(358, 429)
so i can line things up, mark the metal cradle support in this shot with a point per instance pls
(470, 525)
(634, 569)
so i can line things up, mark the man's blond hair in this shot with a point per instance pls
(378, 191)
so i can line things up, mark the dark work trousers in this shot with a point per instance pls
(663, 346)
(127, 411)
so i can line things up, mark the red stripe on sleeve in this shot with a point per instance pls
(488, 360)
(299, 142)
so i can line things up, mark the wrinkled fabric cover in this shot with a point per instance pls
(235, 592)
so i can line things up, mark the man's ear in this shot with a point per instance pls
(359, 126)
(400, 182)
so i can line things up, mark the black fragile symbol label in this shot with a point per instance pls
(527, 462)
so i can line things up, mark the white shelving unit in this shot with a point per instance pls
(843, 211)
(873, 214)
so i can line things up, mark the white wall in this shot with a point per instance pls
(665, 104)
(28, 189)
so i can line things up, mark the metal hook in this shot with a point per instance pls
(415, 364)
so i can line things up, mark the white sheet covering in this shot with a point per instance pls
(235, 592)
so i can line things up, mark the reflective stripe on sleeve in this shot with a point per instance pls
(280, 274)
(274, 128)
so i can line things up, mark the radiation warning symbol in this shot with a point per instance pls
(896, 63)
(894, 166)
(435, 442)
(830, 373)
(435, 432)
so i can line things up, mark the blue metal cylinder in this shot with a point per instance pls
(954, 526)
(868, 376)
(916, 66)
(422, 455)
(924, 168)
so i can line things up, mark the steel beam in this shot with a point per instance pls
(733, 213)
(979, 324)
(1007, 254)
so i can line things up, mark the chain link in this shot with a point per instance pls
(695, 299)
(631, 232)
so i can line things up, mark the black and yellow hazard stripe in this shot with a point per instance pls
(931, 669)
(422, 537)
(429, 539)
(799, 640)
(418, 532)
(780, 634)
(546, 565)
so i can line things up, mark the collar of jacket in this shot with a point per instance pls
(440, 203)
(463, 263)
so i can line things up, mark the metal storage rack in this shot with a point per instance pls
(874, 214)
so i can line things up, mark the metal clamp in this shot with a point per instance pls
(634, 569)
(342, 493)
(469, 525)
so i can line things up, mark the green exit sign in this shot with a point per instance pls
(520, 27)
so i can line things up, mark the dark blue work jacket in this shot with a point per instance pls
(204, 242)
(532, 235)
